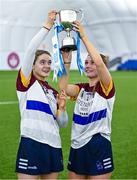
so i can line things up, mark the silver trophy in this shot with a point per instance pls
(66, 17)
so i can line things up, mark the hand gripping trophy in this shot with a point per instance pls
(66, 17)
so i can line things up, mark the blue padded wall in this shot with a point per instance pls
(128, 65)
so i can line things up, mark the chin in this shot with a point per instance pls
(91, 76)
(43, 76)
(46, 74)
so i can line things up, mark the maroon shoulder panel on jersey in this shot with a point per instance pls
(19, 84)
(86, 87)
(101, 93)
(83, 85)
(97, 89)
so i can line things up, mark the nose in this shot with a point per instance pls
(47, 64)
(86, 64)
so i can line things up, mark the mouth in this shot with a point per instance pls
(88, 71)
(46, 70)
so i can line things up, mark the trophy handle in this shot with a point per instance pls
(82, 14)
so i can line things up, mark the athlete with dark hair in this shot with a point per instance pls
(42, 112)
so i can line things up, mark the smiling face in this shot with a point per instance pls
(90, 68)
(42, 66)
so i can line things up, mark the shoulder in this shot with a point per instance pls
(22, 84)
(109, 93)
(82, 85)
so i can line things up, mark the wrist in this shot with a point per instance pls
(61, 109)
(67, 62)
(48, 25)
(45, 27)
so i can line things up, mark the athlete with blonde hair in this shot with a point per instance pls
(91, 152)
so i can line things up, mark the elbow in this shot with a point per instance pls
(62, 86)
(63, 120)
(64, 124)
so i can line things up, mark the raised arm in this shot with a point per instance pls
(103, 71)
(70, 89)
(29, 56)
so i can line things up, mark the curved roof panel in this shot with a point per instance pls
(110, 24)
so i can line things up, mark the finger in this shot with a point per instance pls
(63, 91)
(76, 23)
(62, 96)
(57, 96)
(53, 11)
(75, 27)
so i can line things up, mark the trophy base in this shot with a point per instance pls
(68, 48)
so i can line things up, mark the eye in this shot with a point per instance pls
(86, 62)
(49, 62)
(42, 61)
(92, 62)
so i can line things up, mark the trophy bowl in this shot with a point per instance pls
(66, 18)
(68, 44)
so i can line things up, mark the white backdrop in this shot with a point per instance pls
(110, 24)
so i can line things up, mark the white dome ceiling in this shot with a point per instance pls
(110, 24)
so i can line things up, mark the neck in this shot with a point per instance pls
(93, 81)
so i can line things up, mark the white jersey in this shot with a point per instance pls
(38, 108)
(37, 100)
(92, 113)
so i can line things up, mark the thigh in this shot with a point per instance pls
(26, 176)
(50, 176)
(73, 175)
(106, 176)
